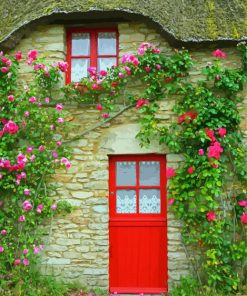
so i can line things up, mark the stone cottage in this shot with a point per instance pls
(121, 235)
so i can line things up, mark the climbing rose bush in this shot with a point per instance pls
(208, 191)
(29, 154)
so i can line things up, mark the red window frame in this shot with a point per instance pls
(93, 46)
(113, 188)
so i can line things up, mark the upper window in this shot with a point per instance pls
(90, 48)
(137, 185)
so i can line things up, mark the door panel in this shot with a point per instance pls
(138, 237)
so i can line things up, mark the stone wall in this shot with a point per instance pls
(77, 245)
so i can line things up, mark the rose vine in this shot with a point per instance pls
(207, 192)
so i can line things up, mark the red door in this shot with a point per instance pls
(137, 226)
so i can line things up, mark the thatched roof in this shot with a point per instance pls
(184, 20)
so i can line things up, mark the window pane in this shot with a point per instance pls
(126, 173)
(105, 63)
(80, 44)
(79, 69)
(149, 201)
(149, 173)
(126, 201)
(107, 43)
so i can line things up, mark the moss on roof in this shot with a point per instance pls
(185, 20)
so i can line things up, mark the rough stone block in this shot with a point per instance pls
(68, 242)
(95, 271)
(58, 261)
(100, 209)
(82, 194)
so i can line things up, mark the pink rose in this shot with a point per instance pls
(25, 251)
(3, 232)
(32, 158)
(53, 207)
(120, 75)
(60, 120)
(219, 54)
(158, 67)
(156, 50)
(32, 54)
(243, 218)
(128, 70)
(40, 208)
(27, 206)
(135, 62)
(92, 71)
(41, 148)
(243, 203)
(59, 107)
(211, 216)
(29, 62)
(18, 55)
(190, 170)
(4, 60)
(1, 249)
(21, 158)
(25, 262)
(200, 152)
(171, 201)
(141, 51)
(29, 149)
(8, 63)
(141, 103)
(11, 127)
(22, 218)
(47, 100)
(54, 154)
(214, 150)
(36, 250)
(170, 172)
(26, 113)
(63, 66)
(5, 69)
(105, 115)
(147, 69)
(23, 175)
(66, 162)
(32, 99)
(59, 143)
(26, 191)
(103, 73)
(222, 132)
(11, 98)
(99, 107)
(17, 262)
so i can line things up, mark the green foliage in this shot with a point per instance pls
(209, 188)
(29, 156)
(205, 199)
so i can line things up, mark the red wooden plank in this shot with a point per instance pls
(134, 290)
